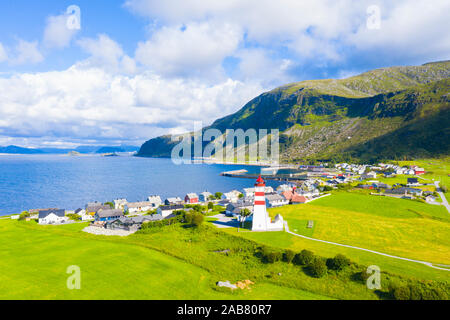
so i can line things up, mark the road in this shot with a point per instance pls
(441, 194)
(428, 264)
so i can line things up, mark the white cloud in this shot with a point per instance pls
(26, 52)
(196, 48)
(106, 53)
(94, 105)
(56, 33)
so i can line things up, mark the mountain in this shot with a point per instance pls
(80, 149)
(19, 150)
(389, 113)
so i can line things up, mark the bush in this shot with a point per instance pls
(197, 219)
(24, 215)
(289, 255)
(304, 258)
(270, 256)
(210, 205)
(317, 267)
(338, 263)
(401, 293)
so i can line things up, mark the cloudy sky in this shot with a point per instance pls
(130, 70)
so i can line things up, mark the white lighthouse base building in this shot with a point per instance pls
(260, 219)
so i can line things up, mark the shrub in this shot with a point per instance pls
(317, 268)
(210, 206)
(401, 293)
(269, 255)
(289, 255)
(197, 219)
(24, 215)
(304, 258)
(338, 263)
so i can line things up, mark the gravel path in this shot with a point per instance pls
(106, 232)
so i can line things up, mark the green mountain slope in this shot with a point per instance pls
(350, 118)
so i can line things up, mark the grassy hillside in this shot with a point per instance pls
(351, 117)
(35, 259)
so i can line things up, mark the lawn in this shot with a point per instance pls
(400, 227)
(35, 258)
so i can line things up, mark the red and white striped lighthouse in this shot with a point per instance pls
(260, 216)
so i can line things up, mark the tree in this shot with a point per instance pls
(197, 219)
(218, 195)
(110, 204)
(245, 213)
(338, 263)
(304, 258)
(24, 215)
(210, 205)
(241, 195)
(317, 267)
(289, 256)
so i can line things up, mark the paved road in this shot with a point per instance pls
(441, 194)
(428, 264)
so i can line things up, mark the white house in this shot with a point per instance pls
(84, 216)
(250, 192)
(233, 196)
(138, 207)
(155, 201)
(369, 175)
(120, 203)
(52, 216)
(275, 200)
(204, 196)
(165, 211)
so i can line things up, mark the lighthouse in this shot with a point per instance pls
(261, 220)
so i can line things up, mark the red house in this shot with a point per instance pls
(418, 171)
(191, 198)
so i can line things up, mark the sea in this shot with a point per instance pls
(70, 182)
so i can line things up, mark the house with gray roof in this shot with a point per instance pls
(131, 223)
(51, 216)
(108, 214)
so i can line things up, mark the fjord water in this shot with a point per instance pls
(59, 181)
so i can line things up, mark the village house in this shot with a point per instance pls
(52, 216)
(234, 209)
(84, 216)
(138, 207)
(275, 200)
(155, 201)
(233, 195)
(93, 207)
(405, 191)
(419, 171)
(105, 215)
(165, 211)
(369, 175)
(120, 203)
(131, 223)
(173, 201)
(412, 182)
(205, 196)
(191, 198)
(250, 192)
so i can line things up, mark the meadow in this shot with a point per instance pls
(35, 258)
(401, 227)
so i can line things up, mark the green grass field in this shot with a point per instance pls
(35, 258)
(400, 227)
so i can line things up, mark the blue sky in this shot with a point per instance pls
(140, 68)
